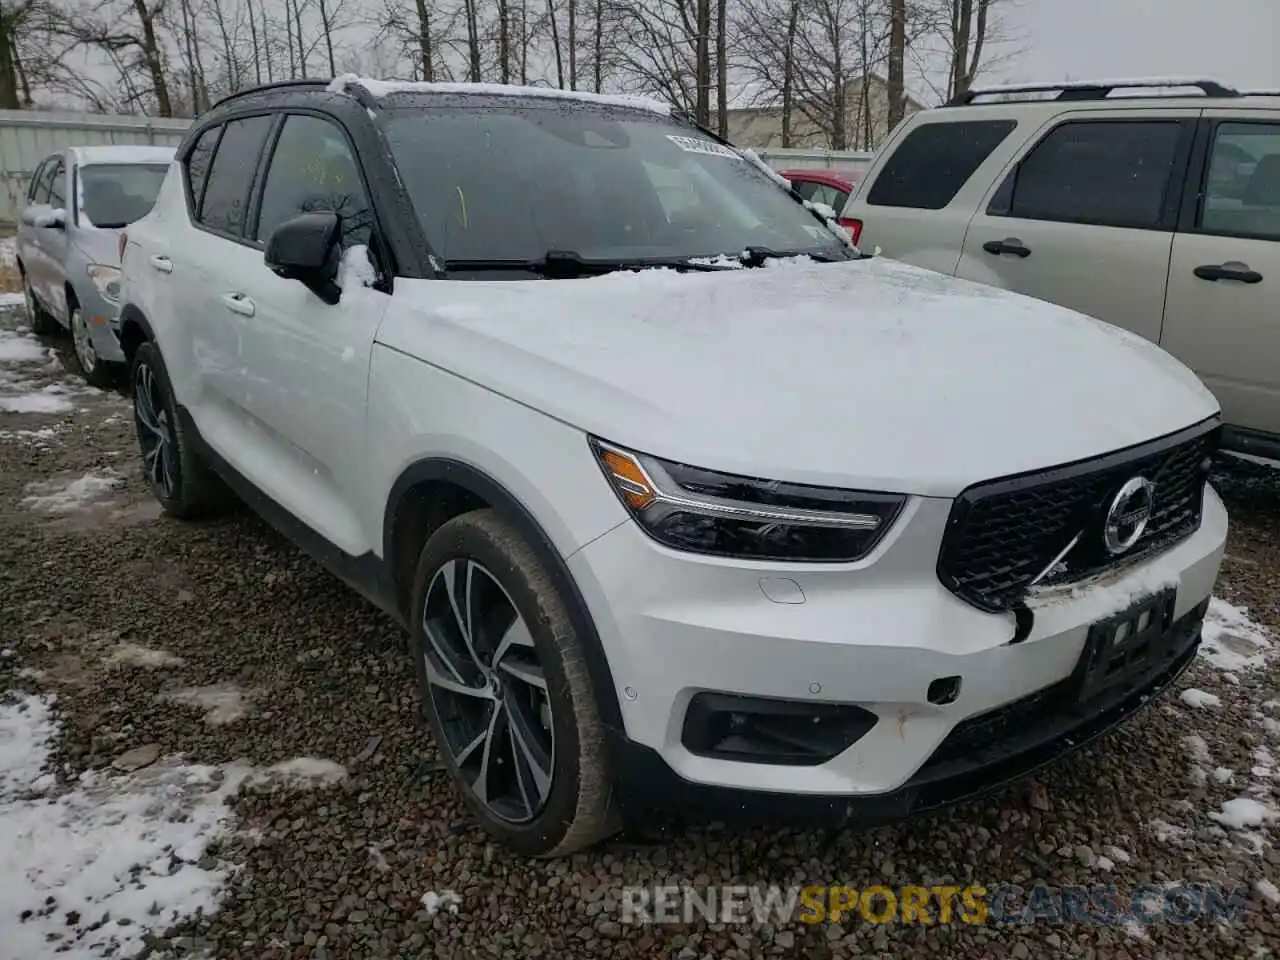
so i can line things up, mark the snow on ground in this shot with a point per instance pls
(136, 655)
(222, 703)
(62, 496)
(19, 348)
(1232, 641)
(89, 870)
(445, 900)
(1199, 698)
(50, 399)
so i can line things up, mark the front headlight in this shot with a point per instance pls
(703, 511)
(107, 280)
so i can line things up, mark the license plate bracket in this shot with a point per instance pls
(1126, 644)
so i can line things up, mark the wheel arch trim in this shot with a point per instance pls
(514, 511)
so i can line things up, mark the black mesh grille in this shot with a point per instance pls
(1002, 534)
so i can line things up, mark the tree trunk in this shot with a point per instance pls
(266, 40)
(573, 44)
(297, 26)
(154, 59)
(961, 23)
(473, 42)
(8, 62)
(722, 69)
(789, 71)
(425, 50)
(702, 63)
(504, 40)
(598, 41)
(979, 36)
(555, 43)
(23, 81)
(327, 26)
(253, 38)
(897, 64)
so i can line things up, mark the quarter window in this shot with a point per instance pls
(198, 163)
(1107, 173)
(1242, 193)
(313, 169)
(226, 193)
(934, 161)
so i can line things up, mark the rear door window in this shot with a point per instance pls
(38, 192)
(1242, 189)
(934, 161)
(1113, 173)
(58, 186)
(226, 194)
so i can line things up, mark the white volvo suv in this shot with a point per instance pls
(684, 501)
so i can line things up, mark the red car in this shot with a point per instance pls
(826, 186)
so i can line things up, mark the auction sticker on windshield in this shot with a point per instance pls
(698, 145)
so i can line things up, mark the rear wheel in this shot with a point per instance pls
(182, 482)
(41, 322)
(505, 688)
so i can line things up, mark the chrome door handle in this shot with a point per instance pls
(238, 303)
(163, 264)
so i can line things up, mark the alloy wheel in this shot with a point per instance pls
(489, 690)
(83, 342)
(155, 434)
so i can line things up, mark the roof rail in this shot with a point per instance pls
(262, 88)
(1094, 89)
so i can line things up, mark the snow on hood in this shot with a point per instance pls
(867, 373)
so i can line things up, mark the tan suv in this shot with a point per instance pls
(1151, 204)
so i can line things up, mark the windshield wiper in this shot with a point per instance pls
(756, 256)
(567, 264)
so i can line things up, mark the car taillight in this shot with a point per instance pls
(124, 242)
(854, 226)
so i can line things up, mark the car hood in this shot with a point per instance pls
(867, 374)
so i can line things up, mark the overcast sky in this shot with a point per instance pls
(1235, 41)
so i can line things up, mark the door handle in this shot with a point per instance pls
(163, 264)
(238, 303)
(1008, 245)
(1228, 271)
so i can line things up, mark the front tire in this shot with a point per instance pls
(183, 483)
(505, 689)
(96, 371)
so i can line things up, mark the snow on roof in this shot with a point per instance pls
(122, 153)
(382, 88)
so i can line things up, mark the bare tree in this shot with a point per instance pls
(15, 17)
(129, 35)
(663, 47)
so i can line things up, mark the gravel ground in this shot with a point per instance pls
(221, 643)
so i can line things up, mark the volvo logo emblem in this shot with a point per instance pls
(1128, 515)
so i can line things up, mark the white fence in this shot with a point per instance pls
(28, 136)
(804, 158)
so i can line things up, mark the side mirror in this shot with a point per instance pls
(45, 216)
(307, 249)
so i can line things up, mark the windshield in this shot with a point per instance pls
(116, 194)
(511, 179)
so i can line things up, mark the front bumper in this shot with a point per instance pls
(875, 634)
(102, 318)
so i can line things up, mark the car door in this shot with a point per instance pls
(1085, 216)
(37, 203)
(53, 239)
(1222, 317)
(49, 238)
(214, 251)
(303, 372)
